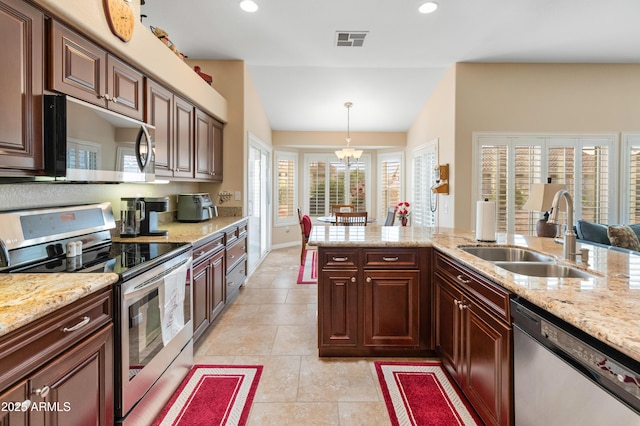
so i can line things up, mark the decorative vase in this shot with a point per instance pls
(404, 221)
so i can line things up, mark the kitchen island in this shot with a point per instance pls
(606, 307)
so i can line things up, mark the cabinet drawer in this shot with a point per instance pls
(230, 236)
(235, 253)
(490, 295)
(208, 248)
(391, 259)
(338, 258)
(31, 346)
(242, 229)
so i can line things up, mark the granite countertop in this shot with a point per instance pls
(27, 297)
(607, 307)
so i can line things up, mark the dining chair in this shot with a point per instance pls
(391, 217)
(351, 218)
(342, 208)
(305, 231)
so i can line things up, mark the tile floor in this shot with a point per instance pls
(272, 323)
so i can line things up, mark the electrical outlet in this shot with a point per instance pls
(238, 196)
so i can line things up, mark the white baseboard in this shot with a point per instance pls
(285, 245)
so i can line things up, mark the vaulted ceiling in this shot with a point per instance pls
(303, 77)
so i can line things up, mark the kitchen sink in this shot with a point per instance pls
(542, 269)
(506, 254)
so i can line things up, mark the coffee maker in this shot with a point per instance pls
(132, 213)
(149, 222)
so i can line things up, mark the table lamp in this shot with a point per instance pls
(540, 199)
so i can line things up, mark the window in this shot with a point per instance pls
(630, 172)
(507, 165)
(391, 176)
(82, 155)
(328, 181)
(287, 202)
(424, 202)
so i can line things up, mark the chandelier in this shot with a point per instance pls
(348, 155)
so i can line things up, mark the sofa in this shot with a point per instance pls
(624, 238)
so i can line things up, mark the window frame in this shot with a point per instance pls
(387, 156)
(431, 149)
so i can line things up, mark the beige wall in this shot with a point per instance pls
(436, 121)
(538, 97)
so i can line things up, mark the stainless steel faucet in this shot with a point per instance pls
(569, 249)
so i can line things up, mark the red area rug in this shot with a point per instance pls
(421, 393)
(213, 395)
(308, 273)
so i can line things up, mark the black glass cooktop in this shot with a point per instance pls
(119, 258)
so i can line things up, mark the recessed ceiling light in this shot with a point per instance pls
(428, 7)
(248, 5)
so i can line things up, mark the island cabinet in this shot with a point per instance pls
(208, 282)
(58, 370)
(84, 70)
(473, 337)
(374, 302)
(22, 55)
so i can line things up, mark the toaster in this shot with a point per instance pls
(195, 207)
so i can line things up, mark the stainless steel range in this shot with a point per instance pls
(152, 313)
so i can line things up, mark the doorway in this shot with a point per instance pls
(258, 201)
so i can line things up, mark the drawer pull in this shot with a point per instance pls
(85, 321)
(353, 279)
(43, 392)
(463, 280)
(390, 259)
(230, 284)
(462, 306)
(200, 253)
(340, 259)
(368, 279)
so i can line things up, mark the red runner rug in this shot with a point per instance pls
(308, 273)
(421, 393)
(213, 395)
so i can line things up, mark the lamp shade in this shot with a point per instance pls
(541, 196)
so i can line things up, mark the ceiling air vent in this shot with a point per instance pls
(350, 38)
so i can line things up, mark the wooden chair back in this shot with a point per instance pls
(351, 218)
(335, 208)
(391, 216)
(305, 231)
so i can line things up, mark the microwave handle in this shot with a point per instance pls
(143, 159)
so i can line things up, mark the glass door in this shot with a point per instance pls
(259, 201)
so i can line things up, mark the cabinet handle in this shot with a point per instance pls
(463, 280)
(353, 279)
(82, 323)
(43, 392)
(462, 306)
(390, 259)
(340, 259)
(368, 279)
(200, 253)
(456, 302)
(232, 257)
(230, 283)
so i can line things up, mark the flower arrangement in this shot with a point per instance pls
(402, 210)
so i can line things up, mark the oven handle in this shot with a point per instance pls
(154, 281)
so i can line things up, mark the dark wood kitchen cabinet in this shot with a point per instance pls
(208, 283)
(21, 85)
(84, 70)
(208, 147)
(473, 338)
(236, 259)
(60, 367)
(183, 138)
(374, 302)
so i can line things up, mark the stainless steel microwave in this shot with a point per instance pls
(86, 143)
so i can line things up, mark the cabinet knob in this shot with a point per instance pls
(353, 279)
(456, 302)
(42, 392)
(463, 280)
(462, 306)
(368, 279)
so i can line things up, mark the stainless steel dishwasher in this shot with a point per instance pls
(562, 376)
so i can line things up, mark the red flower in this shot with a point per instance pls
(402, 209)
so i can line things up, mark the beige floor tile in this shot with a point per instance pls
(257, 296)
(241, 340)
(281, 314)
(336, 379)
(295, 340)
(298, 414)
(279, 380)
(363, 414)
(309, 294)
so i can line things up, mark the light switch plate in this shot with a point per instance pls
(238, 196)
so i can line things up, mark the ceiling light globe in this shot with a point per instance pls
(248, 5)
(428, 7)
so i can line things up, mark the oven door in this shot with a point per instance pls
(154, 324)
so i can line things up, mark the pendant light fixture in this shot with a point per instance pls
(349, 155)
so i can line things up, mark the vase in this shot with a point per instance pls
(404, 221)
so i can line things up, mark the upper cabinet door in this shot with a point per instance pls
(21, 85)
(208, 147)
(77, 66)
(184, 138)
(160, 114)
(125, 88)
